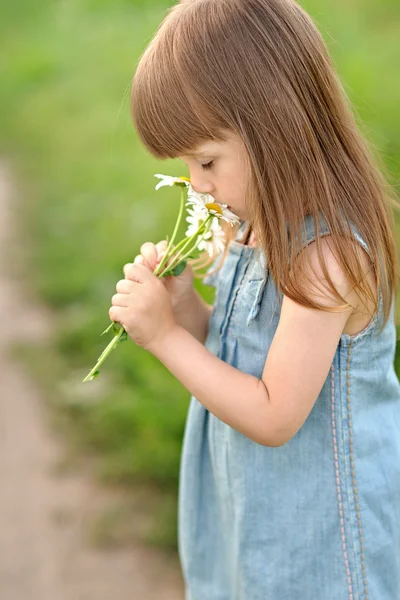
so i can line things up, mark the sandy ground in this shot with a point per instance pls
(43, 551)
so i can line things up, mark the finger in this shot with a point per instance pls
(125, 268)
(120, 300)
(162, 246)
(161, 249)
(138, 273)
(116, 313)
(139, 259)
(124, 286)
(150, 254)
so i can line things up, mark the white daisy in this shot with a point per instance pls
(207, 202)
(213, 241)
(168, 180)
(197, 216)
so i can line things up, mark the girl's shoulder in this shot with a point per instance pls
(363, 317)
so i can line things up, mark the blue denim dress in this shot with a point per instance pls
(319, 517)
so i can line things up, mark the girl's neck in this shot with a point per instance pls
(249, 237)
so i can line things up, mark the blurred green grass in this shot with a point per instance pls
(87, 203)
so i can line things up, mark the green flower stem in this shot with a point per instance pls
(185, 243)
(111, 346)
(108, 328)
(166, 255)
(201, 231)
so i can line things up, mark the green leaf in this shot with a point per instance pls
(165, 274)
(179, 268)
(123, 337)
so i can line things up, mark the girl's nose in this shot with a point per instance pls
(201, 186)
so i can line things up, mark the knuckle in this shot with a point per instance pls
(120, 285)
(130, 271)
(149, 255)
(126, 267)
(139, 260)
(149, 246)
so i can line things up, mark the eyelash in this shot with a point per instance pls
(208, 165)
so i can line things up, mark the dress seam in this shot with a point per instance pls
(233, 307)
(339, 492)
(353, 476)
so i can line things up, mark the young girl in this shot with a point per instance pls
(290, 472)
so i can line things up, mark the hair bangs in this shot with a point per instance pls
(167, 113)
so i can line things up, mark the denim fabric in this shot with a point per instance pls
(319, 517)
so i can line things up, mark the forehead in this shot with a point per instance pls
(209, 147)
(205, 149)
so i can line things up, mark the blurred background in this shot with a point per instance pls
(90, 472)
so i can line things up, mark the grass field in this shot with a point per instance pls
(87, 203)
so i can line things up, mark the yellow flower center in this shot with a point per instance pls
(213, 206)
(185, 179)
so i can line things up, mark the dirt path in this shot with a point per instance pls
(43, 556)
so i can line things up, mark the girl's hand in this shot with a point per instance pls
(179, 287)
(142, 306)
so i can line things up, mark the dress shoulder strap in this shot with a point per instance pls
(311, 226)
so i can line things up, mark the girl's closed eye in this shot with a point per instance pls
(208, 165)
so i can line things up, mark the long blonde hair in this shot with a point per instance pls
(260, 69)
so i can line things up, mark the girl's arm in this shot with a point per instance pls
(270, 410)
(238, 399)
(194, 316)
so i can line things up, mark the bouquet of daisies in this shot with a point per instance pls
(204, 233)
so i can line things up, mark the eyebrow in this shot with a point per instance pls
(203, 153)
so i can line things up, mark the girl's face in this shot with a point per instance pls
(221, 169)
